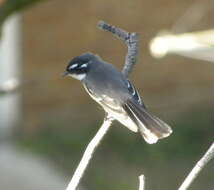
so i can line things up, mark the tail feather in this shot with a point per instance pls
(150, 127)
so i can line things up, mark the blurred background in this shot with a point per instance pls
(46, 121)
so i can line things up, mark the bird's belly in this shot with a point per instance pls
(122, 118)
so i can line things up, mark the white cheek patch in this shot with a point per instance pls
(78, 76)
(73, 66)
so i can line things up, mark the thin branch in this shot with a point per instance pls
(197, 168)
(89, 153)
(130, 39)
(141, 182)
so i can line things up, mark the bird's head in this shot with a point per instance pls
(79, 66)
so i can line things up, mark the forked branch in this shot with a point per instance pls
(131, 41)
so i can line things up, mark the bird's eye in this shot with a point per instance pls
(73, 66)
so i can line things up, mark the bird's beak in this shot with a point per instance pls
(65, 74)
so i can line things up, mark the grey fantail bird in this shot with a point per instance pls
(117, 95)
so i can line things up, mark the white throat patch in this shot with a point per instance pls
(78, 76)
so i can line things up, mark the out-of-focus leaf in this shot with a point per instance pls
(8, 7)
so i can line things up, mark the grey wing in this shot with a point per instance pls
(108, 103)
(113, 104)
(114, 108)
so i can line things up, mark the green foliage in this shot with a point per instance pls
(11, 6)
(124, 155)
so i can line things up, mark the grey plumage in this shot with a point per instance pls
(117, 95)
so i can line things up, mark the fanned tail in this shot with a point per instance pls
(151, 128)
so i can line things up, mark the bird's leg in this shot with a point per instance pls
(107, 117)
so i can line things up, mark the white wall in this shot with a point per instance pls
(10, 74)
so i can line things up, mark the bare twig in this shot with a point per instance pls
(88, 153)
(131, 41)
(197, 168)
(141, 182)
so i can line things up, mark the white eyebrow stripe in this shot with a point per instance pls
(73, 66)
(84, 65)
